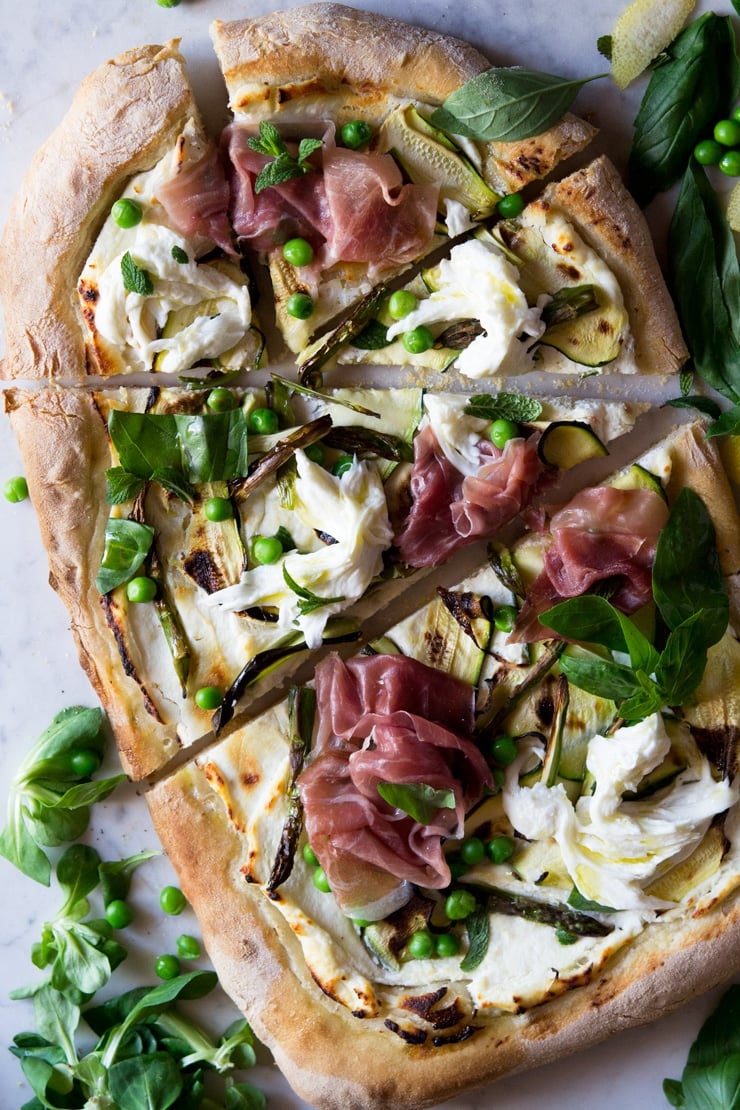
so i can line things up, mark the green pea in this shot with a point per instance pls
(417, 340)
(504, 617)
(168, 3)
(310, 856)
(504, 750)
(299, 305)
(188, 947)
(472, 850)
(15, 489)
(342, 465)
(209, 697)
(172, 900)
(729, 163)
(141, 589)
(167, 967)
(727, 132)
(84, 762)
(421, 945)
(460, 904)
(736, 114)
(564, 936)
(356, 133)
(264, 422)
(221, 399)
(266, 550)
(126, 212)
(708, 152)
(401, 303)
(502, 431)
(511, 205)
(218, 509)
(500, 849)
(298, 252)
(314, 452)
(447, 944)
(320, 880)
(118, 914)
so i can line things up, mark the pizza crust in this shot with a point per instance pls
(124, 117)
(343, 63)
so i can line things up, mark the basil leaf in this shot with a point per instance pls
(580, 902)
(419, 800)
(705, 277)
(600, 676)
(683, 660)
(135, 280)
(648, 699)
(214, 446)
(508, 104)
(686, 95)
(478, 926)
(180, 449)
(701, 404)
(728, 424)
(592, 619)
(686, 573)
(121, 486)
(504, 406)
(145, 442)
(127, 544)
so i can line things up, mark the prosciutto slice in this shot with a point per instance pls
(387, 719)
(196, 200)
(603, 533)
(450, 510)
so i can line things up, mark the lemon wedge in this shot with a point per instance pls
(644, 29)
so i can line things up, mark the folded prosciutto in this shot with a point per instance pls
(387, 719)
(450, 510)
(603, 533)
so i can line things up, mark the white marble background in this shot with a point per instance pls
(45, 50)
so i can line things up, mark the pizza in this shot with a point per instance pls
(408, 643)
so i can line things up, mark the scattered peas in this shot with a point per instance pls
(504, 750)
(564, 936)
(84, 762)
(320, 881)
(218, 508)
(266, 550)
(502, 431)
(708, 152)
(299, 305)
(356, 133)
(126, 212)
(263, 422)
(472, 850)
(172, 900)
(447, 944)
(417, 340)
(15, 489)
(310, 856)
(500, 849)
(504, 617)
(342, 465)
(511, 205)
(421, 945)
(298, 252)
(118, 914)
(727, 132)
(401, 303)
(314, 452)
(729, 163)
(460, 904)
(141, 589)
(209, 697)
(167, 967)
(221, 399)
(188, 947)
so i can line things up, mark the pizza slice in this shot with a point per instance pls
(414, 884)
(571, 284)
(201, 538)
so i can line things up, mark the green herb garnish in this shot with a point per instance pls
(419, 800)
(308, 601)
(284, 165)
(503, 406)
(711, 1078)
(135, 280)
(127, 545)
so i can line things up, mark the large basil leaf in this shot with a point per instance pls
(507, 104)
(705, 277)
(172, 447)
(682, 661)
(686, 95)
(214, 446)
(687, 576)
(600, 676)
(592, 619)
(418, 799)
(127, 544)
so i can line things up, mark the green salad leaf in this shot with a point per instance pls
(711, 1078)
(127, 545)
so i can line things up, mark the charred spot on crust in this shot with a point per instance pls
(409, 1035)
(533, 161)
(425, 1007)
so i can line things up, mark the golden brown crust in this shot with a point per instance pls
(335, 1060)
(122, 120)
(598, 204)
(358, 63)
(64, 447)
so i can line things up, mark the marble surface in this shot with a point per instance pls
(45, 50)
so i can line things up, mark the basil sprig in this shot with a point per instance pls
(691, 598)
(508, 104)
(711, 1078)
(688, 92)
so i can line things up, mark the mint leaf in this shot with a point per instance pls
(504, 406)
(478, 926)
(180, 255)
(135, 280)
(282, 169)
(269, 141)
(306, 147)
(121, 486)
(419, 800)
